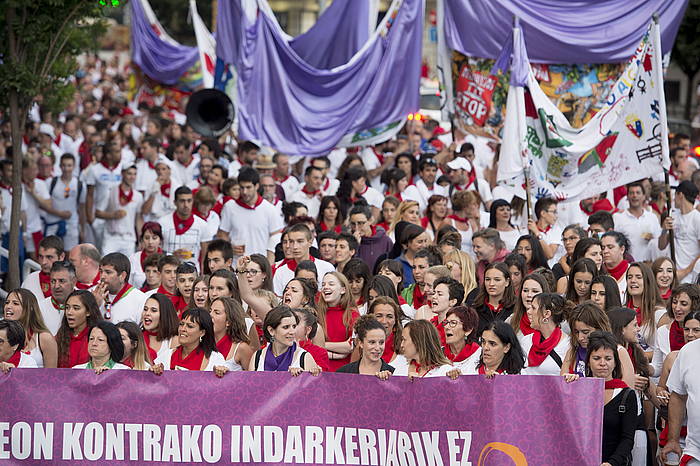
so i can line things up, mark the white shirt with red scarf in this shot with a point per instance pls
(252, 224)
(126, 305)
(311, 199)
(103, 178)
(289, 184)
(283, 272)
(182, 237)
(373, 159)
(183, 174)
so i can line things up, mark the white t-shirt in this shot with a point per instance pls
(212, 223)
(312, 203)
(52, 316)
(289, 185)
(33, 284)
(634, 228)
(145, 176)
(330, 186)
(129, 307)
(34, 212)
(59, 201)
(549, 366)
(686, 233)
(189, 241)
(370, 159)
(182, 174)
(420, 193)
(440, 371)
(284, 274)
(117, 365)
(215, 359)
(125, 226)
(162, 205)
(684, 379)
(102, 178)
(26, 362)
(553, 236)
(254, 226)
(373, 197)
(468, 366)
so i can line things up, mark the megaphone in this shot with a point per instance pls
(210, 112)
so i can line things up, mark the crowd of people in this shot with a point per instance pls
(163, 250)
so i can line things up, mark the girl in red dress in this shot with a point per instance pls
(82, 313)
(337, 314)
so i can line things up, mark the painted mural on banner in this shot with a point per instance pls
(626, 140)
(137, 417)
(578, 91)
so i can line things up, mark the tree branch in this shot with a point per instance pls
(48, 63)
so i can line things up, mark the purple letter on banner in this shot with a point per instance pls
(76, 417)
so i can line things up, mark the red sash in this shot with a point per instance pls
(224, 345)
(258, 201)
(181, 226)
(541, 348)
(675, 336)
(146, 336)
(45, 283)
(193, 361)
(466, 352)
(125, 198)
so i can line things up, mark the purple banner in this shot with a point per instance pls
(76, 417)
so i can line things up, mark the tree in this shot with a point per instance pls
(43, 39)
(686, 50)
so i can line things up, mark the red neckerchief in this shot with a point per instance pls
(667, 295)
(45, 283)
(56, 305)
(261, 336)
(125, 198)
(672, 172)
(466, 352)
(219, 206)
(419, 367)
(196, 212)
(180, 305)
(181, 226)
(278, 179)
(472, 177)
(224, 345)
(388, 347)
(615, 383)
(459, 219)
(402, 301)
(78, 349)
(162, 290)
(193, 361)
(104, 164)
(440, 326)
(128, 362)
(326, 184)
(656, 208)
(379, 156)
(146, 336)
(419, 298)
(546, 230)
(87, 286)
(360, 301)
(108, 305)
(637, 310)
(541, 348)
(482, 370)
(675, 336)
(143, 256)
(525, 325)
(14, 359)
(291, 263)
(6, 186)
(310, 193)
(151, 165)
(619, 270)
(145, 288)
(396, 195)
(359, 195)
(383, 225)
(165, 190)
(186, 165)
(495, 310)
(258, 201)
(324, 227)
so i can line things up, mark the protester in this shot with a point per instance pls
(666, 278)
(135, 351)
(160, 324)
(533, 285)
(389, 314)
(371, 341)
(337, 315)
(420, 345)
(501, 352)
(151, 243)
(461, 347)
(584, 319)
(604, 292)
(546, 347)
(488, 248)
(495, 299)
(306, 332)
(581, 275)
(531, 249)
(105, 348)
(12, 338)
(82, 313)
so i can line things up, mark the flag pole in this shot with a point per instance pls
(664, 131)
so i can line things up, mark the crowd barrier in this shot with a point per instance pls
(60, 416)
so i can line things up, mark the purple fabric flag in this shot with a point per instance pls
(159, 57)
(578, 31)
(341, 30)
(520, 66)
(299, 109)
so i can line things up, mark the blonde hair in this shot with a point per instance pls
(267, 295)
(32, 320)
(402, 209)
(466, 264)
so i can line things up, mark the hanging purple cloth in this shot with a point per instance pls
(298, 109)
(576, 31)
(341, 30)
(279, 363)
(161, 60)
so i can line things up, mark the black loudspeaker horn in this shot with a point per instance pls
(210, 112)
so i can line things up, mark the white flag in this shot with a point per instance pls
(206, 45)
(625, 141)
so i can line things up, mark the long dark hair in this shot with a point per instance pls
(94, 316)
(580, 266)
(537, 258)
(482, 296)
(202, 318)
(325, 202)
(603, 340)
(514, 360)
(114, 339)
(620, 317)
(612, 291)
(167, 320)
(398, 318)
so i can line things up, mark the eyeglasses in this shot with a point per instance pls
(251, 272)
(452, 323)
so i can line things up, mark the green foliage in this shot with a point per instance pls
(686, 49)
(49, 34)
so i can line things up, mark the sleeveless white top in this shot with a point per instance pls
(36, 353)
(231, 364)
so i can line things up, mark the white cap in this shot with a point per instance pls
(460, 163)
(47, 129)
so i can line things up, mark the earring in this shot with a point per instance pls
(272, 339)
(545, 320)
(200, 339)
